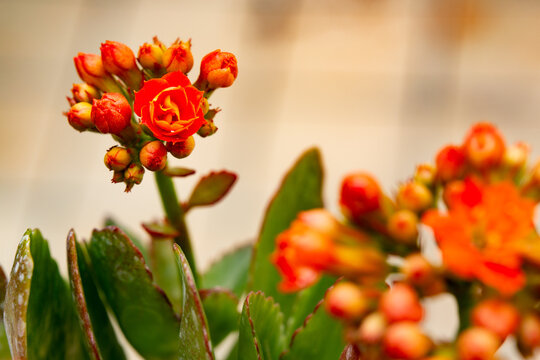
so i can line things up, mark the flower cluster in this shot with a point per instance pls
(147, 103)
(478, 199)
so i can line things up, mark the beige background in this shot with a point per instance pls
(377, 85)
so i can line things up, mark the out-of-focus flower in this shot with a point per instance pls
(529, 333)
(90, 69)
(414, 196)
(451, 163)
(170, 107)
(79, 116)
(315, 243)
(84, 92)
(418, 270)
(346, 301)
(498, 316)
(219, 69)
(484, 146)
(486, 233)
(153, 156)
(118, 59)
(372, 328)
(477, 343)
(178, 57)
(401, 303)
(405, 340)
(403, 226)
(360, 195)
(111, 114)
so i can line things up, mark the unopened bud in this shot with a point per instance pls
(346, 301)
(401, 303)
(372, 329)
(150, 56)
(403, 226)
(360, 194)
(153, 156)
(477, 343)
(178, 57)
(207, 129)
(90, 69)
(425, 174)
(118, 59)
(451, 163)
(515, 156)
(484, 146)
(498, 316)
(417, 270)
(529, 331)
(84, 92)
(133, 175)
(117, 158)
(320, 220)
(414, 196)
(181, 149)
(79, 116)
(405, 340)
(118, 177)
(111, 114)
(218, 70)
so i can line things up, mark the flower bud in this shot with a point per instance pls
(529, 331)
(218, 70)
(133, 175)
(90, 69)
(498, 316)
(405, 341)
(417, 270)
(414, 196)
(451, 163)
(79, 116)
(372, 329)
(207, 129)
(484, 146)
(111, 114)
(346, 301)
(425, 174)
(181, 149)
(178, 57)
(118, 177)
(117, 158)
(515, 156)
(118, 59)
(153, 156)
(150, 56)
(401, 303)
(84, 92)
(403, 226)
(477, 343)
(360, 194)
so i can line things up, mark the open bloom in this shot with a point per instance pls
(486, 233)
(315, 243)
(170, 107)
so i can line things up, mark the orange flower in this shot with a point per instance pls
(315, 243)
(485, 233)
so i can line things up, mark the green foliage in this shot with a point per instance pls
(211, 188)
(99, 333)
(134, 239)
(4, 346)
(165, 271)
(142, 310)
(220, 309)
(261, 332)
(229, 272)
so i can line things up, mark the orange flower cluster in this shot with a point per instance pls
(479, 200)
(155, 82)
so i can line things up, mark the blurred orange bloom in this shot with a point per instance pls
(486, 233)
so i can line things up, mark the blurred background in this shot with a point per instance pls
(378, 85)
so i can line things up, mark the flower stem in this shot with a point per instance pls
(465, 301)
(176, 216)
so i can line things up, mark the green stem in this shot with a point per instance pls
(176, 216)
(465, 301)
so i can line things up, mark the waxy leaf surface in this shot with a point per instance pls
(134, 239)
(230, 272)
(40, 318)
(300, 190)
(211, 188)
(142, 309)
(165, 271)
(220, 309)
(4, 346)
(194, 333)
(97, 328)
(261, 331)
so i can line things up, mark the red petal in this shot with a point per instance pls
(177, 78)
(148, 92)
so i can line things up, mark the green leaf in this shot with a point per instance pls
(142, 310)
(320, 337)
(134, 239)
(300, 190)
(165, 271)
(261, 329)
(4, 345)
(178, 171)
(96, 326)
(220, 309)
(211, 188)
(230, 272)
(40, 317)
(194, 333)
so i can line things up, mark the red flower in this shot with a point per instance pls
(170, 107)
(118, 59)
(486, 233)
(111, 114)
(219, 69)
